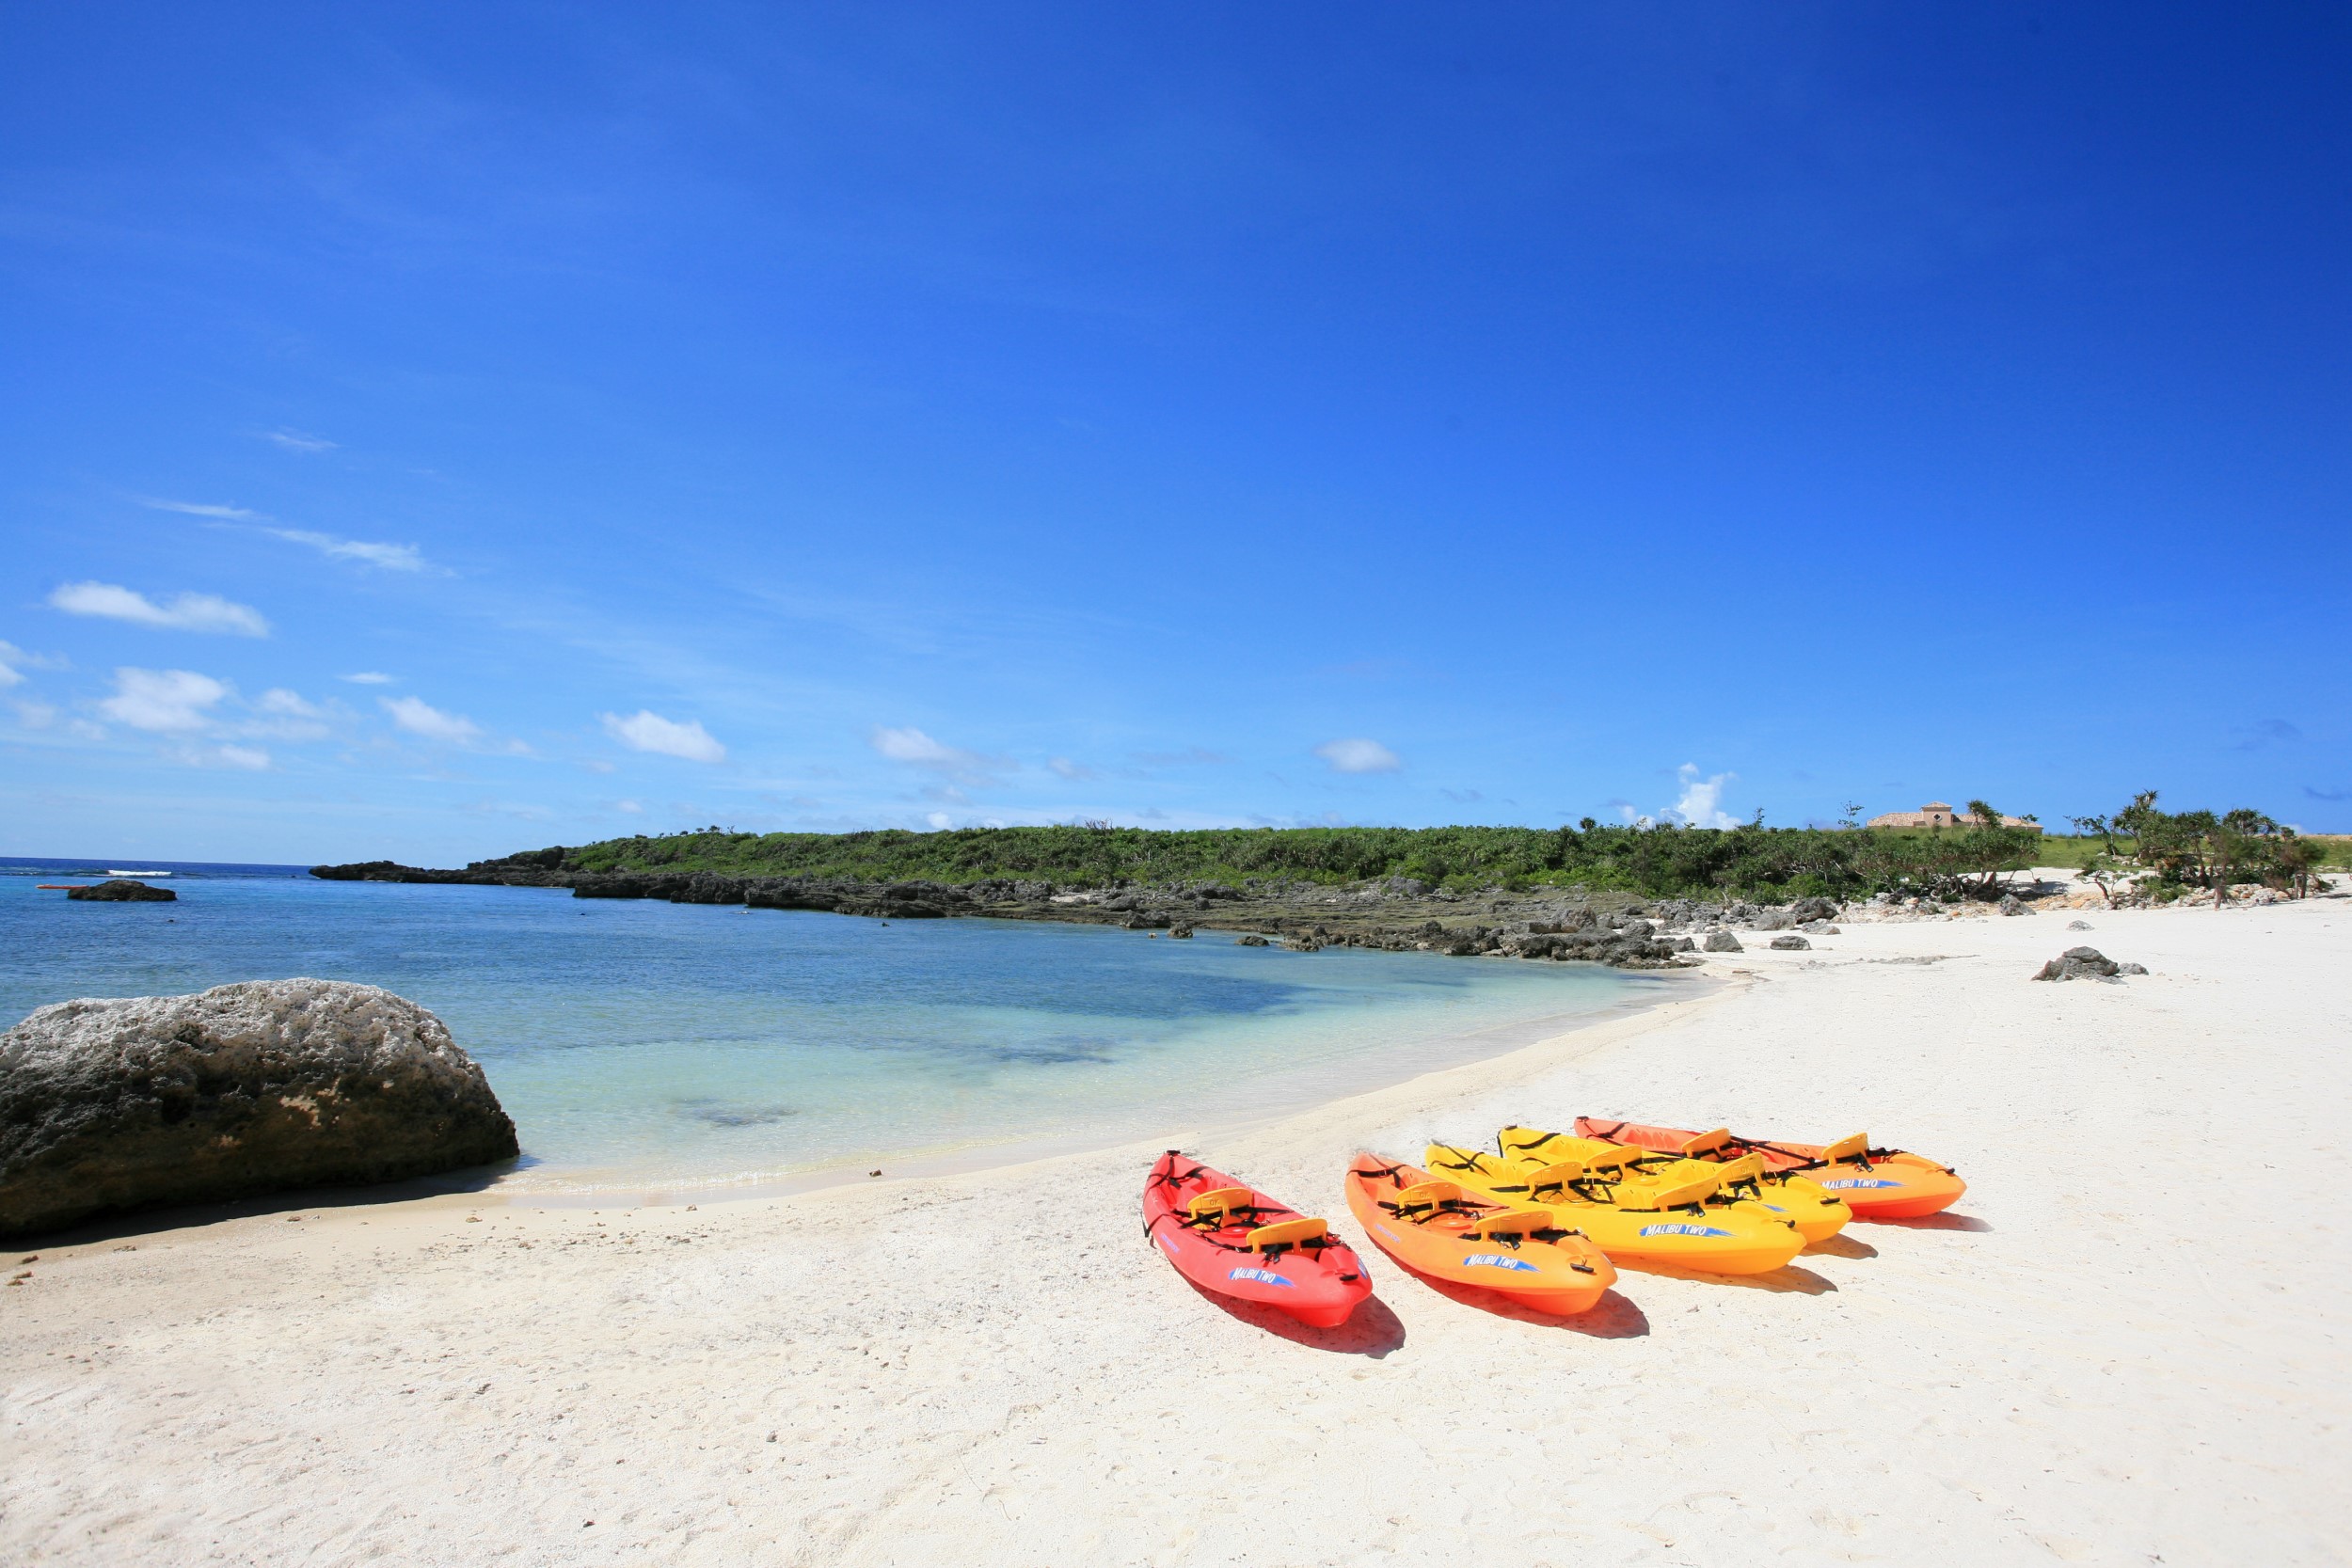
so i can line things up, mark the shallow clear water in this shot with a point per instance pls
(640, 1042)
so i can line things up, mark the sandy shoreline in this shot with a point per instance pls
(993, 1367)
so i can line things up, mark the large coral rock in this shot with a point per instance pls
(122, 890)
(248, 1088)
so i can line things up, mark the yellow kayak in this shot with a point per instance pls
(1631, 1217)
(1816, 1211)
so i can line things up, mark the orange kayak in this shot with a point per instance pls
(1445, 1231)
(1876, 1184)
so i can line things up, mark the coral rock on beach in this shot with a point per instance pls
(122, 890)
(1723, 941)
(1791, 944)
(108, 1105)
(2078, 963)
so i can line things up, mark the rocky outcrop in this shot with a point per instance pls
(1723, 941)
(109, 1105)
(1250, 938)
(119, 890)
(1791, 944)
(2082, 963)
(2012, 904)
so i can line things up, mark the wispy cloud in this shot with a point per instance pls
(182, 612)
(1066, 769)
(164, 702)
(295, 440)
(1358, 755)
(371, 552)
(421, 718)
(2266, 732)
(10, 656)
(250, 758)
(918, 749)
(1700, 804)
(392, 557)
(368, 677)
(204, 508)
(647, 730)
(1189, 756)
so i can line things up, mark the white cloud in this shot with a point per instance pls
(199, 508)
(647, 730)
(168, 702)
(185, 613)
(369, 677)
(1701, 805)
(251, 759)
(290, 704)
(1358, 755)
(1070, 770)
(392, 557)
(35, 715)
(911, 746)
(419, 716)
(940, 821)
(10, 658)
(294, 440)
(630, 806)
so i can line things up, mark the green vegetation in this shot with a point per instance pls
(1750, 861)
(2174, 853)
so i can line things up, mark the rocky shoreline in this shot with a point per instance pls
(1390, 915)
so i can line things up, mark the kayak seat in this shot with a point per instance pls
(1221, 1204)
(1678, 1195)
(1425, 1199)
(1705, 1143)
(1554, 1178)
(1748, 1168)
(1513, 1222)
(1616, 1157)
(1285, 1234)
(1852, 1147)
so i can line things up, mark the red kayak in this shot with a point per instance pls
(1239, 1243)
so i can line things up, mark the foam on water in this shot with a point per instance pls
(642, 1043)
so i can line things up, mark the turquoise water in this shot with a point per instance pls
(639, 1043)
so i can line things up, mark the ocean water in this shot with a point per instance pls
(649, 1045)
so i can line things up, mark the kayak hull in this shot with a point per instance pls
(1320, 1286)
(1889, 1185)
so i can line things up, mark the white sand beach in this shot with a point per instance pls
(2128, 1345)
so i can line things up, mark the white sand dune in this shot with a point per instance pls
(2129, 1347)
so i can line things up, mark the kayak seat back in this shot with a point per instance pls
(1676, 1195)
(1748, 1168)
(1705, 1143)
(1616, 1157)
(1285, 1234)
(1517, 1224)
(1555, 1179)
(1427, 1198)
(1850, 1147)
(1219, 1203)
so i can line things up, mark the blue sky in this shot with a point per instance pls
(439, 430)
